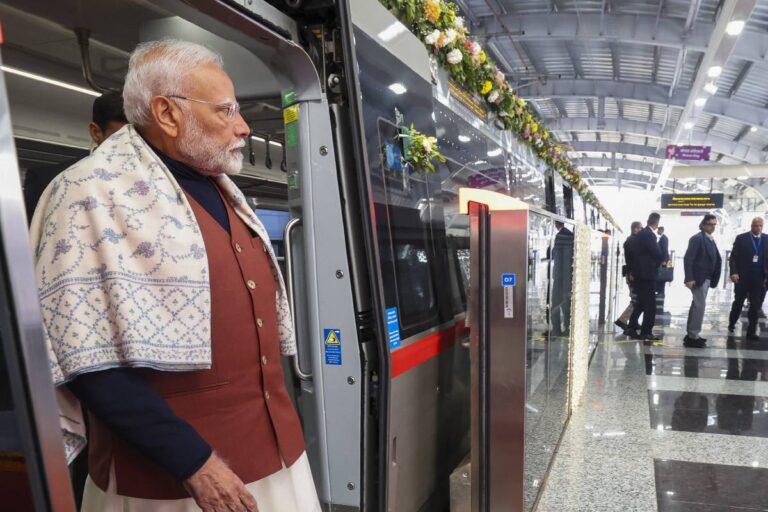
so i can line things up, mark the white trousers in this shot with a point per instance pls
(289, 490)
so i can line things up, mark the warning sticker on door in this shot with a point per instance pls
(332, 343)
(393, 328)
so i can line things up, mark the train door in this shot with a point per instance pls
(33, 471)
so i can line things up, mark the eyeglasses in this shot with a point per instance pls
(711, 224)
(229, 108)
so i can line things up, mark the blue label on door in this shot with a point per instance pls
(332, 339)
(393, 328)
(508, 279)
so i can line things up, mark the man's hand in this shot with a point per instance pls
(216, 488)
(735, 278)
(690, 284)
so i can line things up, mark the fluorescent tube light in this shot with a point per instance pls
(50, 81)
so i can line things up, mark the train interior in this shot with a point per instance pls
(407, 426)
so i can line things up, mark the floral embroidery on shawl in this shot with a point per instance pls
(121, 267)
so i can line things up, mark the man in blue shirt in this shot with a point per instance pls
(749, 270)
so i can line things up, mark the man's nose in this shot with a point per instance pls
(241, 127)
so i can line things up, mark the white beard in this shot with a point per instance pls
(202, 153)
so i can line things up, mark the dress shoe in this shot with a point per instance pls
(650, 337)
(731, 329)
(631, 333)
(694, 343)
(752, 336)
(621, 324)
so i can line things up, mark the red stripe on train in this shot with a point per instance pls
(423, 350)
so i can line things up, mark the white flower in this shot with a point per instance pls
(432, 37)
(455, 56)
(494, 96)
(450, 36)
(476, 48)
(458, 23)
(427, 145)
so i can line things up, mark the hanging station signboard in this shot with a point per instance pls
(697, 153)
(692, 201)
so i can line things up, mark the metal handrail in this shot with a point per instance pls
(287, 241)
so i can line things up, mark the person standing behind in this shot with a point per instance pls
(646, 259)
(702, 272)
(749, 269)
(664, 246)
(108, 117)
(627, 273)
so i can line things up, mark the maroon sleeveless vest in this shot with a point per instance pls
(240, 406)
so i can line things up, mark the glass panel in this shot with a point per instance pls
(537, 455)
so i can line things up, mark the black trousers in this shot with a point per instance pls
(645, 305)
(752, 287)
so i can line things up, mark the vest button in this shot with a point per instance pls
(238, 248)
(264, 360)
(259, 322)
(266, 395)
(251, 284)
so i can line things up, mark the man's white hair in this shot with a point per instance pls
(160, 68)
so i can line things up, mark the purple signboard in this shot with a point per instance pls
(688, 152)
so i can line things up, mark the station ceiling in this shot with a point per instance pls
(618, 80)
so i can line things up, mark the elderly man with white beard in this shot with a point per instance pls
(164, 309)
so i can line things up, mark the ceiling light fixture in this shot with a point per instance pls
(753, 129)
(688, 125)
(735, 27)
(700, 102)
(397, 88)
(494, 152)
(715, 71)
(711, 88)
(50, 81)
(464, 138)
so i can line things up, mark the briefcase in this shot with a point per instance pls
(665, 274)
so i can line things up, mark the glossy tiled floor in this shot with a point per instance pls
(669, 428)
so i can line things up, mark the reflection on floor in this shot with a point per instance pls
(666, 427)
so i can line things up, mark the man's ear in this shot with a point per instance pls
(166, 114)
(97, 135)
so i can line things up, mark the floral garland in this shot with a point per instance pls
(445, 34)
(420, 150)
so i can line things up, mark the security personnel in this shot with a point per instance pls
(749, 270)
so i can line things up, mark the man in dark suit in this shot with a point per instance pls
(562, 277)
(646, 259)
(108, 117)
(702, 272)
(626, 272)
(749, 271)
(664, 246)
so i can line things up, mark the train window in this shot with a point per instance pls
(568, 198)
(559, 189)
(274, 221)
(405, 240)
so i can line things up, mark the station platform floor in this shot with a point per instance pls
(669, 428)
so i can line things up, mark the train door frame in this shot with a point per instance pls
(22, 341)
(318, 254)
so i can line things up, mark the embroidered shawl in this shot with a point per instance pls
(122, 271)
